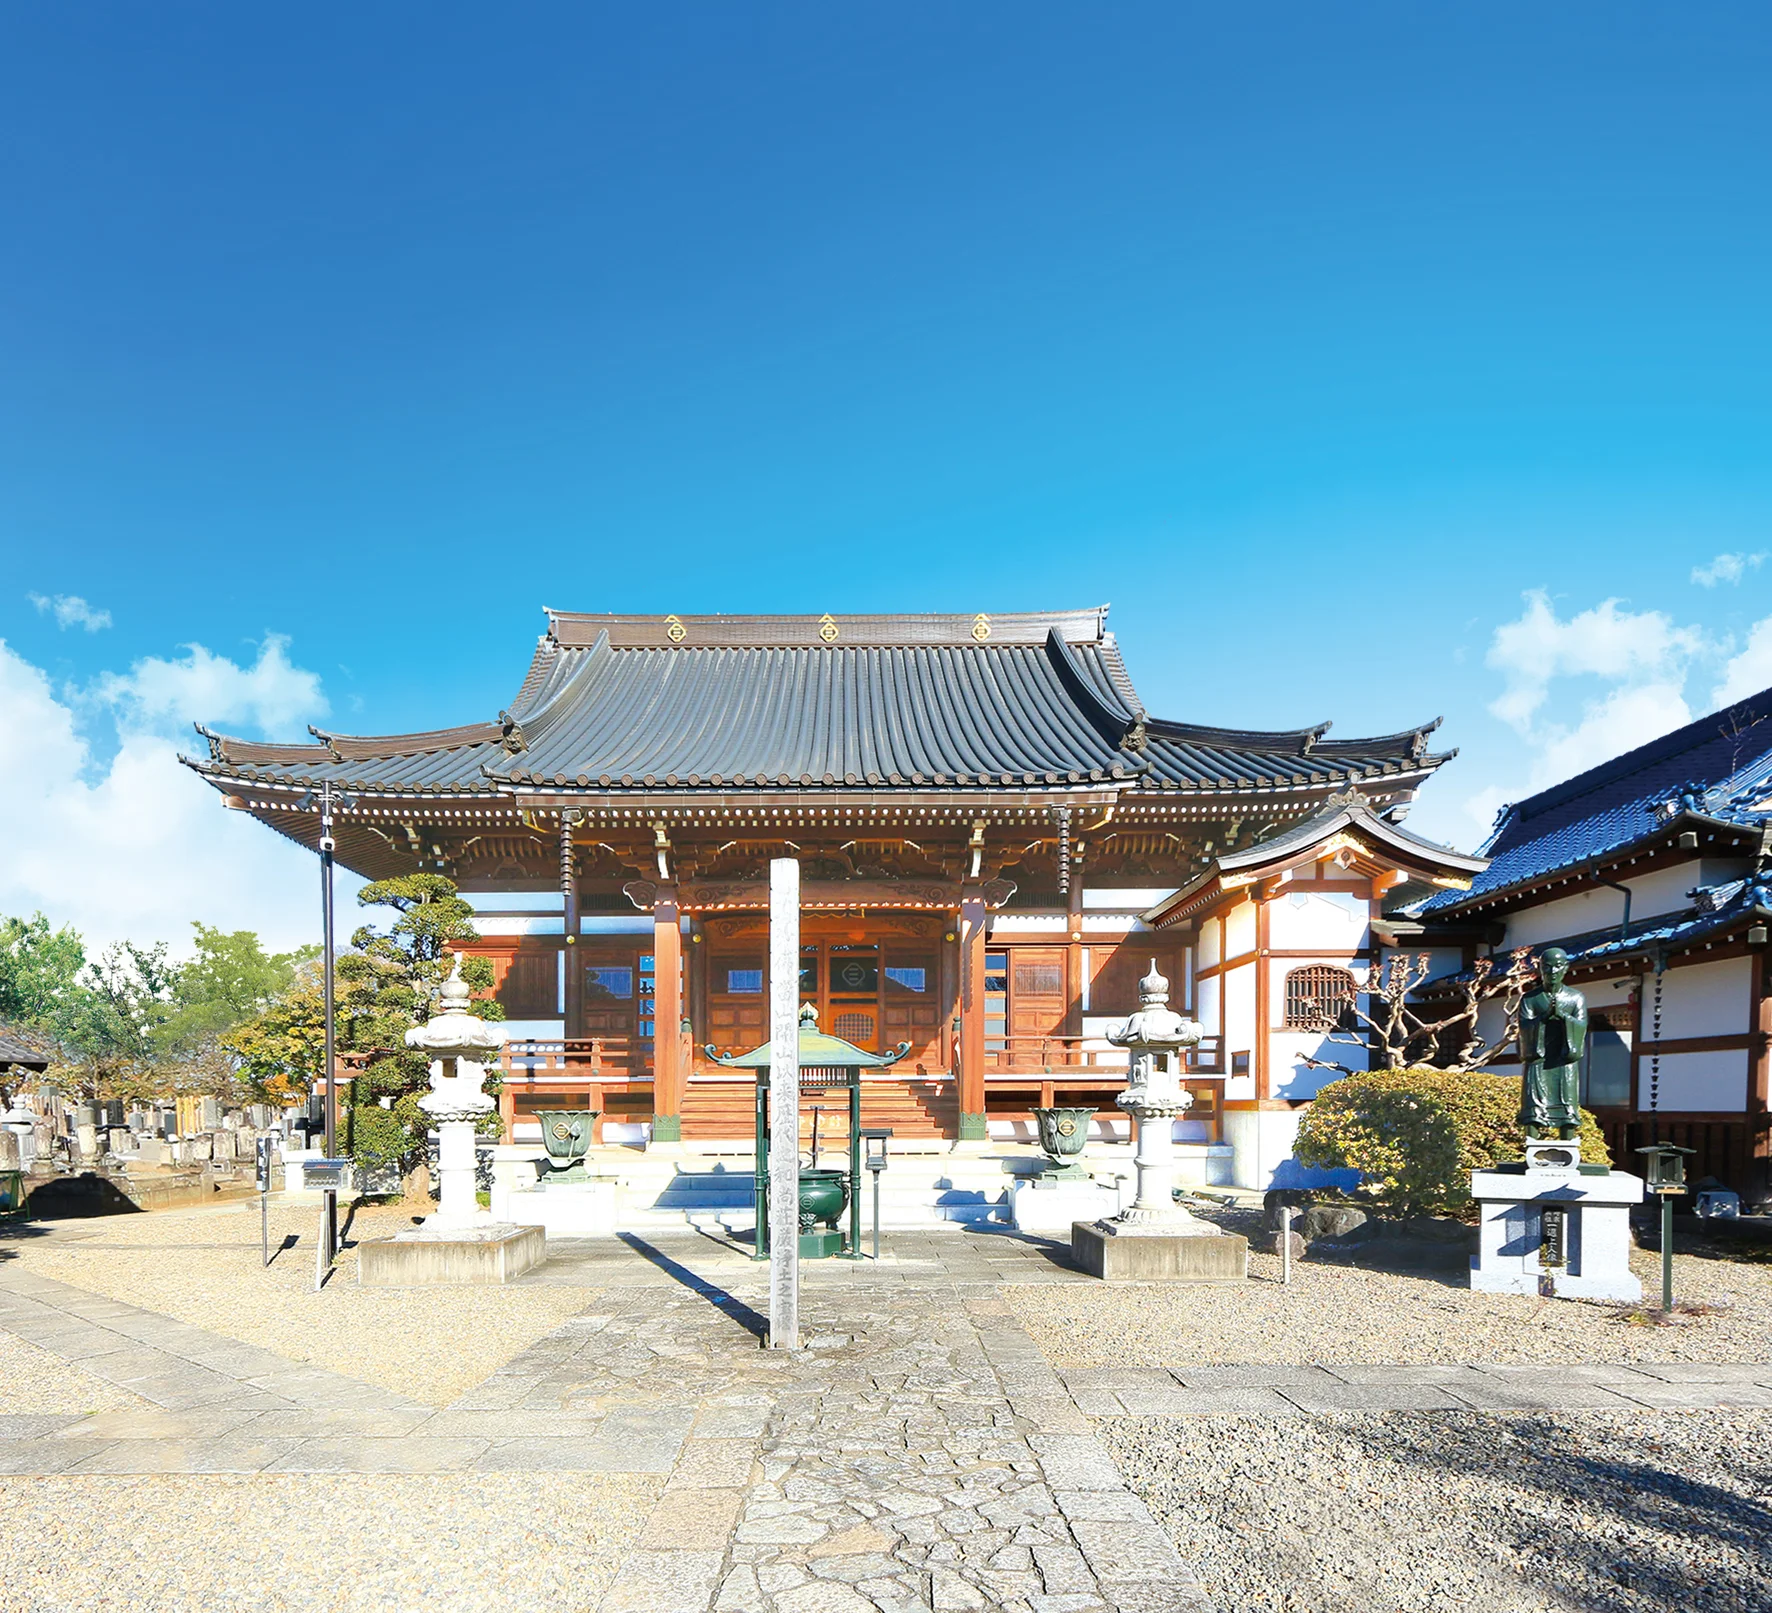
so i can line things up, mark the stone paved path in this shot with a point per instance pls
(920, 1454)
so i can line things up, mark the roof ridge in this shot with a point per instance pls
(366, 747)
(575, 630)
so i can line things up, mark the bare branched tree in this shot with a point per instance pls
(1393, 1027)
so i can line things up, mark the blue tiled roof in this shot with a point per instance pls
(1719, 767)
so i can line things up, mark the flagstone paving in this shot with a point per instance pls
(920, 1454)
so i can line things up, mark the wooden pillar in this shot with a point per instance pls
(667, 1018)
(572, 1005)
(1758, 1184)
(1258, 1055)
(971, 1078)
(1073, 1022)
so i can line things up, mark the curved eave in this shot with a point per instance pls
(1306, 843)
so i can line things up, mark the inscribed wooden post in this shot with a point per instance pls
(784, 1104)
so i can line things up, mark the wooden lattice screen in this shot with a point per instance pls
(1318, 998)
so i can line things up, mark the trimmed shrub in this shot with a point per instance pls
(1416, 1135)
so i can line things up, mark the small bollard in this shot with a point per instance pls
(1286, 1244)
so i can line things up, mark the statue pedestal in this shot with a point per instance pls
(1117, 1251)
(1555, 1230)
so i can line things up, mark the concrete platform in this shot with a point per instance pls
(492, 1254)
(1203, 1258)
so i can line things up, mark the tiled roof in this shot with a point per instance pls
(1717, 771)
(15, 1052)
(802, 702)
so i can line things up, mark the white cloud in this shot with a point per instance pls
(1620, 721)
(1749, 671)
(1729, 568)
(272, 694)
(71, 611)
(140, 846)
(1602, 641)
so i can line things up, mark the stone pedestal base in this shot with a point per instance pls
(1596, 1245)
(486, 1254)
(1106, 1251)
(1049, 1204)
(579, 1209)
(821, 1243)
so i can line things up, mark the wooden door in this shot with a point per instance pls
(1038, 1002)
(738, 1000)
(910, 1004)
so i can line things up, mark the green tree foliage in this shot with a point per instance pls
(229, 980)
(131, 1022)
(1417, 1134)
(387, 982)
(39, 972)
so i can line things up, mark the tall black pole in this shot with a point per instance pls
(326, 949)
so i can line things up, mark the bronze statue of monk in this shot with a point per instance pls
(1553, 1031)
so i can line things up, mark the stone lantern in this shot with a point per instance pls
(1155, 1237)
(461, 1243)
(1156, 1037)
(460, 1045)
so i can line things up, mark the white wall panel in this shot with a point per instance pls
(1239, 930)
(1697, 1081)
(520, 926)
(1239, 1011)
(514, 901)
(1209, 1005)
(1209, 939)
(1335, 921)
(1663, 891)
(1706, 999)
(1290, 1077)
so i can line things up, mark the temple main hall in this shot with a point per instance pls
(996, 837)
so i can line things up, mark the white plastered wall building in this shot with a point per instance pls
(1280, 931)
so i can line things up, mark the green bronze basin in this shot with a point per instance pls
(823, 1196)
(566, 1134)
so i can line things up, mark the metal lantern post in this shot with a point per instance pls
(876, 1162)
(1665, 1174)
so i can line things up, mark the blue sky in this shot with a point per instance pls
(336, 344)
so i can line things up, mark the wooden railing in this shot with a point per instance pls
(1058, 1055)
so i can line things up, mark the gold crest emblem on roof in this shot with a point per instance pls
(675, 631)
(827, 628)
(981, 627)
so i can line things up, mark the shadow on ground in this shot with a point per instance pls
(712, 1292)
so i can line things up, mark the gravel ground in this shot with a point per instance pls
(34, 1382)
(291, 1544)
(1337, 1314)
(203, 1267)
(1404, 1512)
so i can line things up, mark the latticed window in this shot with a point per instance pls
(1319, 997)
